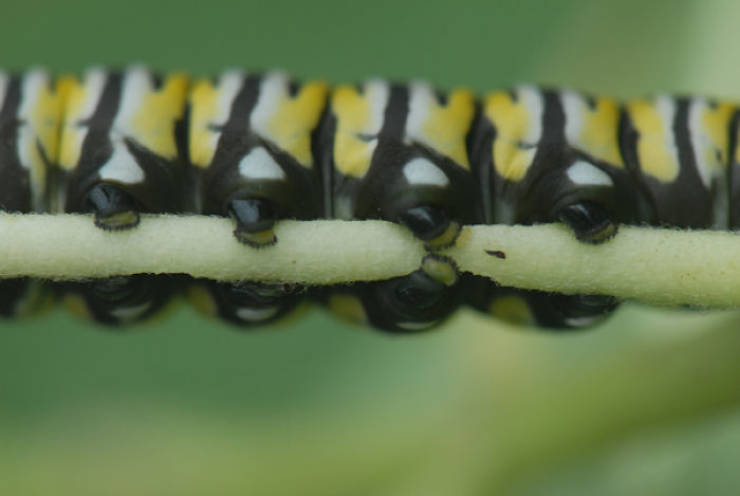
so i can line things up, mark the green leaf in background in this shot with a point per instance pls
(647, 404)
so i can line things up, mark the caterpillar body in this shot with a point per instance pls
(261, 147)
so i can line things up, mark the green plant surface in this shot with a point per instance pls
(646, 404)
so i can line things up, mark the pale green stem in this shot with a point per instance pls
(661, 266)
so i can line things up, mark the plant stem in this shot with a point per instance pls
(668, 267)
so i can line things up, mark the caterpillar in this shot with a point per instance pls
(262, 147)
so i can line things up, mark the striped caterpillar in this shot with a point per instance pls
(259, 148)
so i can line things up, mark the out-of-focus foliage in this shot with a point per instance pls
(647, 404)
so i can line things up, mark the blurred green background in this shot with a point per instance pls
(647, 404)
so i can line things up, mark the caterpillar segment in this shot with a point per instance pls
(120, 300)
(678, 150)
(398, 153)
(538, 308)
(250, 142)
(122, 153)
(246, 304)
(30, 107)
(547, 156)
(405, 304)
(259, 148)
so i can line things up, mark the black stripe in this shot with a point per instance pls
(442, 97)
(15, 195)
(108, 105)
(293, 87)
(590, 101)
(11, 102)
(553, 118)
(627, 137)
(733, 173)
(237, 126)
(157, 80)
(396, 113)
(97, 146)
(682, 135)
(478, 147)
(322, 148)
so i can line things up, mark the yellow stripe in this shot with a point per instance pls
(600, 133)
(512, 309)
(296, 118)
(45, 120)
(352, 155)
(203, 111)
(73, 94)
(347, 307)
(716, 122)
(656, 149)
(202, 300)
(153, 125)
(77, 305)
(513, 123)
(447, 126)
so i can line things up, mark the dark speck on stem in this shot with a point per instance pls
(496, 253)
